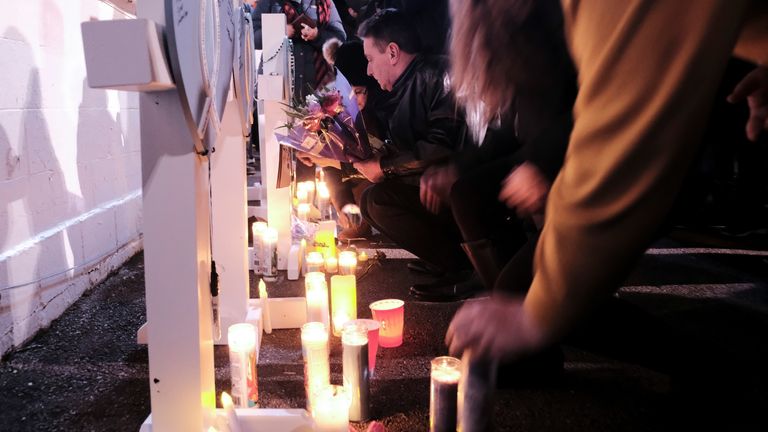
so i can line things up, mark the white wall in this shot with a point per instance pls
(70, 166)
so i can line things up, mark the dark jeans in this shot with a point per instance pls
(394, 208)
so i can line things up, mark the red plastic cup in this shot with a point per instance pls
(373, 339)
(389, 313)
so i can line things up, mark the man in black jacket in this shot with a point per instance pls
(424, 127)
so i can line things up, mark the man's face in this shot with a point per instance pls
(379, 65)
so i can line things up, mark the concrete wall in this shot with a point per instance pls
(70, 166)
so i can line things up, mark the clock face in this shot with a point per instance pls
(201, 43)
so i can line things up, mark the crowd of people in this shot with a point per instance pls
(532, 148)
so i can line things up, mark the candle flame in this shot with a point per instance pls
(226, 400)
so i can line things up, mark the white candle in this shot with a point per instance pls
(302, 211)
(309, 186)
(302, 195)
(265, 313)
(323, 199)
(317, 298)
(315, 262)
(269, 262)
(331, 264)
(229, 409)
(241, 339)
(303, 256)
(257, 230)
(347, 262)
(331, 410)
(314, 349)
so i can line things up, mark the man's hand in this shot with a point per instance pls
(311, 160)
(435, 186)
(289, 31)
(370, 169)
(525, 189)
(308, 33)
(754, 88)
(495, 328)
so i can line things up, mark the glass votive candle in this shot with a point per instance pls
(331, 264)
(314, 349)
(242, 340)
(331, 409)
(302, 211)
(443, 394)
(316, 291)
(343, 301)
(354, 343)
(315, 262)
(347, 262)
(373, 339)
(389, 313)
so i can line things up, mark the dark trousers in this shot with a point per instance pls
(394, 208)
(344, 192)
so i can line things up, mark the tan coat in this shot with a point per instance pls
(648, 72)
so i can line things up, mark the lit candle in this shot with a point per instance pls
(315, 262)
(331, 264)
(323, 199)
(257, 230)
(314, 349)
(476, 387)
(265, 315)
(354, 340)
(331, 410)
(363, 257)
(229, 408)
(302, 211)
(325, 240)
(309, 186)
(241, 339)
(347, 262)
(269, 262)
(443, 394)
(317, 298)
(343, 301)
(302, 194)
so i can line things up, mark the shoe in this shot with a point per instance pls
(356, 232)
(450, 288)
(420, 266)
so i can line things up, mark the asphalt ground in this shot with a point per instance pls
(85, 372)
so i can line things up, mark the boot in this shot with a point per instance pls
(451, 287)
(482, 255)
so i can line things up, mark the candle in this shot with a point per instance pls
(323, 199)
(362, 257)
(302, 211)
(331, 410)
(443, 394)
(373, 340)
(325, 240)
(354, 341)
(266, 318)
(302, 195)
(309, 186)
(241, 339)
(390, 314)
(347, 262)
(317, 298)
(343, 301)
(315, 262)
(314, 349)
(475, 401)
(331, 264)
(269, 261)
(257, 230)
(229, 408)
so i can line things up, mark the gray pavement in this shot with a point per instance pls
(86, 373)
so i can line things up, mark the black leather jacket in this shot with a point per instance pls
(421, 120)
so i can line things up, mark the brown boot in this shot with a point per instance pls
(482, 255)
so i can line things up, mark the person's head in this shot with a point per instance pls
(390, 43)
(488, 53)
(329, 50)
(350, 61)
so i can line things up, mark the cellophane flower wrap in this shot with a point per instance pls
(328, 124)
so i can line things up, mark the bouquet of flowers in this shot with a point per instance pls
(328, 124)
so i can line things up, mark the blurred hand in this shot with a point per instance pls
(308, 33)
(370, 169)
(754, 88)
(495, 328)
(525, 189)
(435, 186)
(289, 31)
